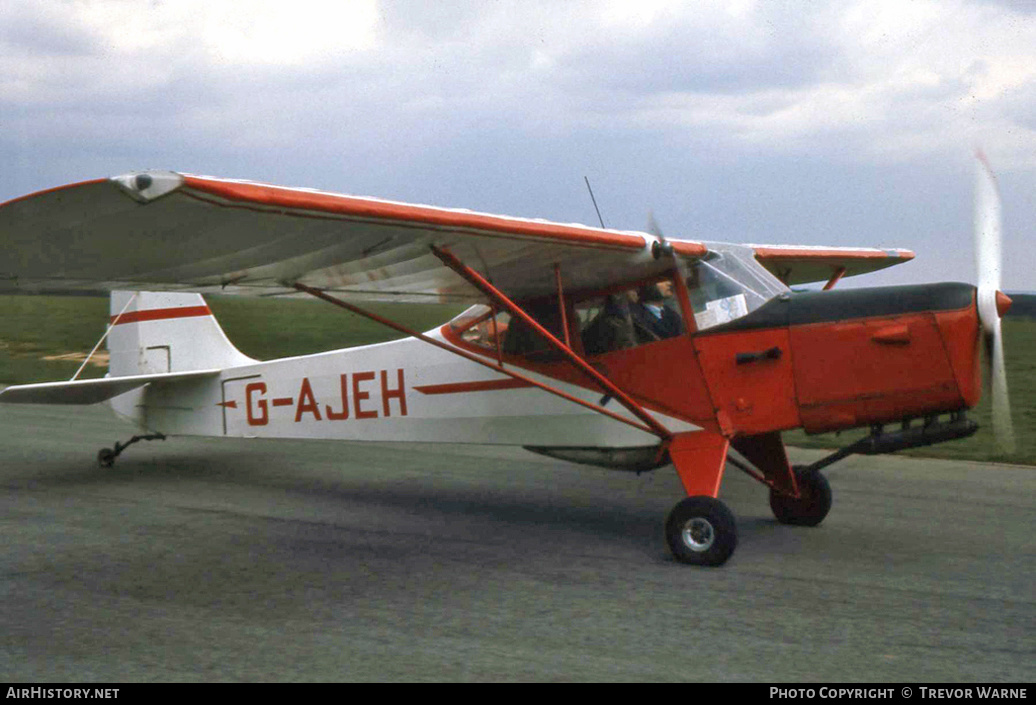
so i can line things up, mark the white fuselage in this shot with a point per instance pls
(405, 390)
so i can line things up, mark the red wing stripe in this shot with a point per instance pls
(353, 206)
(462, 387)
(159, 314)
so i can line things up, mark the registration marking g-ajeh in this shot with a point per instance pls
(258, 413)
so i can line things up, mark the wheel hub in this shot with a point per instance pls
(698, 535)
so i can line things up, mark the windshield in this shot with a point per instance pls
(729, 283)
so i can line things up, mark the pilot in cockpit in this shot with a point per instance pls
(655, 312)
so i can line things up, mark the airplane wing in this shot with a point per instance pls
(799, 264)
(90, 391)
(169, 231)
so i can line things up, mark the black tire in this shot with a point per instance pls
(701, 531)
(811, 507)
(106, 457)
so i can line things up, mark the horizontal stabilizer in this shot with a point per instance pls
(89, 391)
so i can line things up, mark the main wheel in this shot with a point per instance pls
(810, 508)
(106, 457)
(701, 531)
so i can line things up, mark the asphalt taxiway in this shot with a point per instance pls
(212, 559)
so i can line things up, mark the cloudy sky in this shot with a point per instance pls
(842, 123)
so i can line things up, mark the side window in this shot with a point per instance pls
(605, 322)
(628, 318)
(521, 339)
(479, 327)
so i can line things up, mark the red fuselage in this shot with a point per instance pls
(821, 361)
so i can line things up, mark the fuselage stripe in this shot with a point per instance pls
(461, 387)
(159, 314)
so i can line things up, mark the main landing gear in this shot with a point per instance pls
(701, 531)
(106, 456)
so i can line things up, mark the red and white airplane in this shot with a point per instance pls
(620, 349)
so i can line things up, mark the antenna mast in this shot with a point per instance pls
(594, 201)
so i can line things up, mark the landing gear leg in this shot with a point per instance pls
(700, 530)
(106, 456)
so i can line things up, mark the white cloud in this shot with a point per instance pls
(293, 34)
(755, 74)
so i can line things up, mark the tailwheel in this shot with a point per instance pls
(701, 531)
(812, 505)
(106, 456)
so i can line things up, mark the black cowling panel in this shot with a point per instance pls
(828, 306)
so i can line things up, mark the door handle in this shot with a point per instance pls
(774, 353)
(892, 335)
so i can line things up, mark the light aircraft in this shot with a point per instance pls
(558, 352)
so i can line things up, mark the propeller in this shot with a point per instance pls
(660, 246)
(992, 303)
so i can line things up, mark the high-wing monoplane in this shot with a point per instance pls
(627, 350)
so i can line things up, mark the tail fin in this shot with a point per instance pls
(166, 332)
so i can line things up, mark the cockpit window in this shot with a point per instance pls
(727, 284)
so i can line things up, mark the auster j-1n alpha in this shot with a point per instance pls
(626, 350)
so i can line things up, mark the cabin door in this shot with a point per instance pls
(750, 378)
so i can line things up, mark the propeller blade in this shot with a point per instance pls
(652, 226)
(988, 258)
(987, 242)
(1003, 429)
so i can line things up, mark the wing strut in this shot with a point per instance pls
(494, 294)
(835, 277)
(496, 367)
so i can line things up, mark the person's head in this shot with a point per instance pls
(650, 294)
(616, 305)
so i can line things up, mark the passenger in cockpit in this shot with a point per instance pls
(612, 329)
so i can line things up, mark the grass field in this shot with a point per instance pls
(33, 328)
